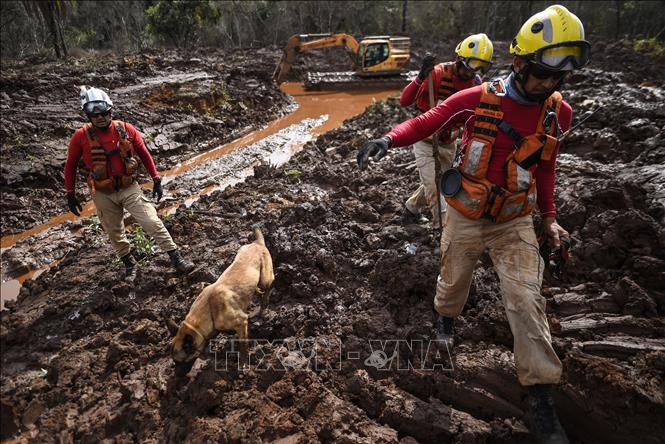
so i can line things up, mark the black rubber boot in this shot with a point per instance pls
(181, 264)
(412, 218)
(445, 329)
(542, 418)
(130, 266)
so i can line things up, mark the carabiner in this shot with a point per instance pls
(492, 88)
(547, 123)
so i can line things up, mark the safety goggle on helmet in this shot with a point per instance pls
(554, 39)
(95, 101)
(564, 56)
(475, 52)
(96, 108)
(476, 65)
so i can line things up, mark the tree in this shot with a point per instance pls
(180, 23)
(404, 13)
(51, 12)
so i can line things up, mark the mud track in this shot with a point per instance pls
(183, 103)
(85, 357)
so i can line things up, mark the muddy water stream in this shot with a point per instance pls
(317, 113)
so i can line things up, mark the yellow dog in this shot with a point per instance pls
(223, 304)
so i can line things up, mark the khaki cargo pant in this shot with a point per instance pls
(513, 249)
(110, 210)
(426, 194)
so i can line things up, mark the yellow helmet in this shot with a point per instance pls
(476, 50)
(553, 38)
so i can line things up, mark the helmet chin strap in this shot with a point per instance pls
(521, 78)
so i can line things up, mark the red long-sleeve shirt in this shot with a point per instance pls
(459, 109)
(418, 91)
(109, 138)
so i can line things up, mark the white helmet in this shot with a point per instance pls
(94, 100)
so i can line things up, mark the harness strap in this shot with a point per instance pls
(512, 132)
(488, 115)
(446, 87)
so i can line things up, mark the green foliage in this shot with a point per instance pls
(96, 231)
(132, 25)
(180, 23)
(293, 172)
(650, 46)
(143, 246)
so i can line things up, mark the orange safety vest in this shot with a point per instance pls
(97, 177)
(480, 198)
(443, 77)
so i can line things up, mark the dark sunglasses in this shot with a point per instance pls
(104, 114)
(542, 73)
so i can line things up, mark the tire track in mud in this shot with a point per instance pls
(20, 262)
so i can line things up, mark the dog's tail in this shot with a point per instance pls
(259, 237)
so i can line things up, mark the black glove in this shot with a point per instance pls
(73, 204)
(157, 188)
(427, 66)
(377, 148)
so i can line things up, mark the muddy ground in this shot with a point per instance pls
(183, 102)
(84, 357)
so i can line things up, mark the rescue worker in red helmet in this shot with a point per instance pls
(107, 152)
(507, 166)
(474, 57)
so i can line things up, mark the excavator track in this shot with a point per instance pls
(349, 79)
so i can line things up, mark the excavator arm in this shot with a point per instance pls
(304, 42)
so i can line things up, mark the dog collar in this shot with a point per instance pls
(191, 327)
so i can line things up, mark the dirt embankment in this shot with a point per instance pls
(85, 357)
(184, 103)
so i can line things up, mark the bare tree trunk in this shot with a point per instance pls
(617, 31)
(58, 25)
(48, 11)
(404, 14)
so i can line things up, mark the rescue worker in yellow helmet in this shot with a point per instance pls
(512, 130)
(474, 58)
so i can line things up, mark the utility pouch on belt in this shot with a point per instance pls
(512, 205)
(471, 198)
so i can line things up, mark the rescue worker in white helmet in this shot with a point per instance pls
(107, 152)
(512, 129)
(474, 58)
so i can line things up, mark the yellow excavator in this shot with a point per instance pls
(376, 60)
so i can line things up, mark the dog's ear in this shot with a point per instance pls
(188, 345)
(172, 327)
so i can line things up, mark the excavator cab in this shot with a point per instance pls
(372, 54)
(383, 55)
